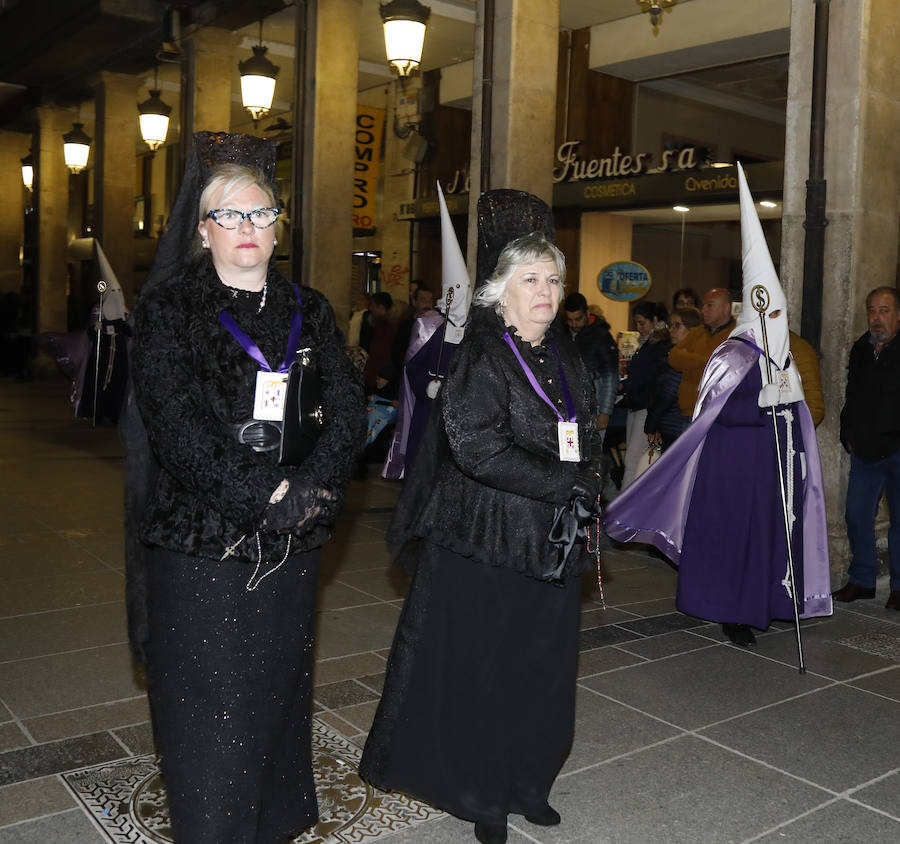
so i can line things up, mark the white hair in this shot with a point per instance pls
(523, 250)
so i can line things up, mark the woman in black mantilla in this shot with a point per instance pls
(478, 710)
(231, 537)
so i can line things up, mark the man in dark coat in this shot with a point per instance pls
(870, 431)
(598, 351)
(384, 330)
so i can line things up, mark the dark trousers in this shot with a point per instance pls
(230, 685)
(868, 481)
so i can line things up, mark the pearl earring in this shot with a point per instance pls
(204, 244)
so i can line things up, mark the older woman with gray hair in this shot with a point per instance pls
(478, 709)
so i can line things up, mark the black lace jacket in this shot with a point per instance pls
(490, 477)
(193, 382)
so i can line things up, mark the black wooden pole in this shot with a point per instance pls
(487, 90)
(815, 222)
(305, 11)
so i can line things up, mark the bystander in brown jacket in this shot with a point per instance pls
(808, 366)
(690, 356)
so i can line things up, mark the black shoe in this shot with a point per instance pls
(545, 816)
(893, 602)
(489, 833)
(850, 592)
(740, 634)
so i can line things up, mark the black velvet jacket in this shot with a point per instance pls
(870, 418)
(193, 381)
(488, 477)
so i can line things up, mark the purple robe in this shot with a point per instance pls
(658, 507)
(419, 362)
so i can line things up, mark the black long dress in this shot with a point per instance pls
(477, 714)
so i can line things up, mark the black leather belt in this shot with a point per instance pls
(260, 435)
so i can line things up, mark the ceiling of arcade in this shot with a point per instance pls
(714, 51)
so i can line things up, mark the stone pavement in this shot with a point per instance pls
(680, 737)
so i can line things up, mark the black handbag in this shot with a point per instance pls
(303, 414)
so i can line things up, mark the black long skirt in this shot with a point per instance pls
(478, 710)
(230, 688)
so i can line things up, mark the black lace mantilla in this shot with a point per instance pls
(504, 215)
(217, 148)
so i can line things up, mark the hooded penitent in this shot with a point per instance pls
(454, 276)
(712, 502)
(764, 309)
(113, 299)
(431, 345)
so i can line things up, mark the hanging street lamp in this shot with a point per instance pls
(76, 148)
(154, 116)
(28, 171)
(258, 76)
(404, 33)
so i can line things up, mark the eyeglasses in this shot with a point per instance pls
(231, 218)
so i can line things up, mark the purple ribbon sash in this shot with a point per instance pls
(250, 347)
(564, 385)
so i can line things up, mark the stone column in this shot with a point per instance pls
(213, 59)
(14, 147)
(330, 112)
(115, 173)
(862, 171)
(399, 180)
(523, 114)
(52, 197)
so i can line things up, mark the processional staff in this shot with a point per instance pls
(101, 289)
(434, 385)
(760, 300)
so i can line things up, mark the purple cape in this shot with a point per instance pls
(423, 329)
(654, 508)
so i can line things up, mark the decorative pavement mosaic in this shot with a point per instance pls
(879, 644)
(126, 799)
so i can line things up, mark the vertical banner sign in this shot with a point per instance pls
(369, 128)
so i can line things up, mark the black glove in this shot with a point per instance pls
(302, 506)
(587, 485)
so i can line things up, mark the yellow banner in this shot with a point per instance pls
(369, 127)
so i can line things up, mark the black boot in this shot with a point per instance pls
(740, 634)
(489, 833)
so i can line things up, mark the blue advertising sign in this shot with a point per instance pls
(623, 281)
